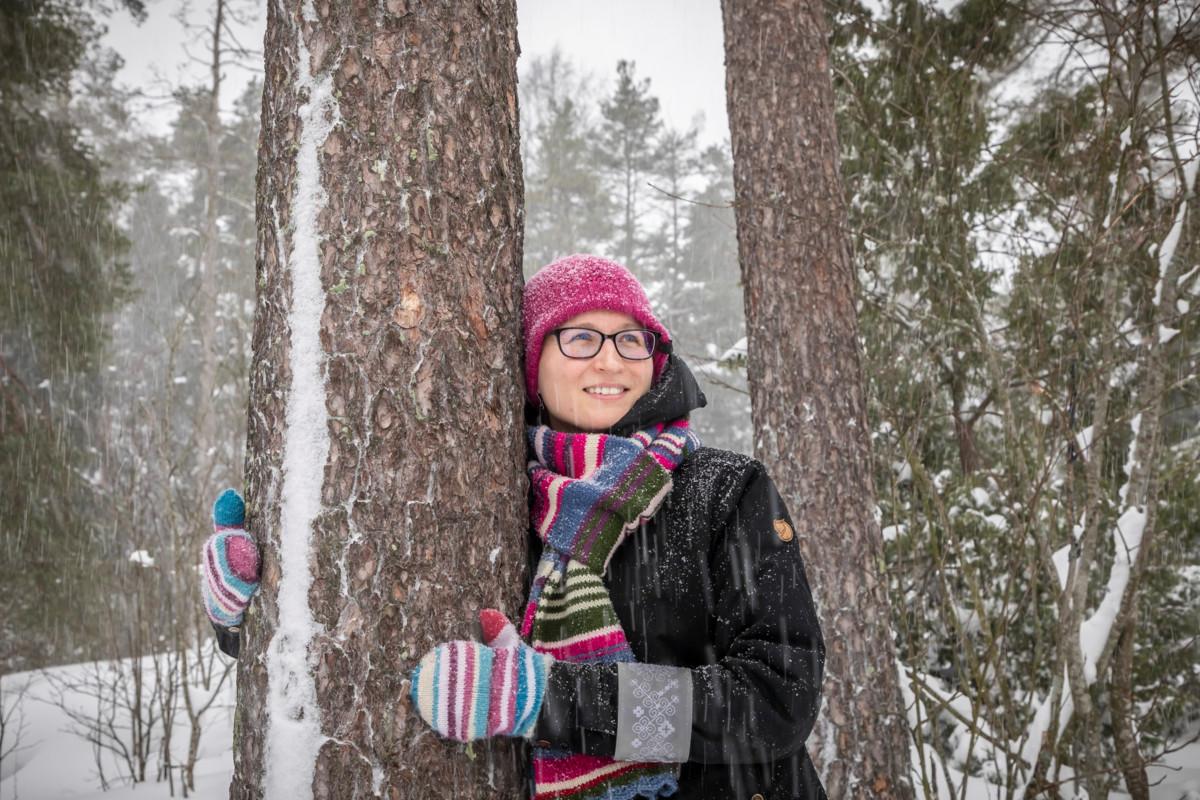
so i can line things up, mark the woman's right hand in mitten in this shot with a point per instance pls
(230, 563)
(468, 690)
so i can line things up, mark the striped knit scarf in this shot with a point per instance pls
(590, 491)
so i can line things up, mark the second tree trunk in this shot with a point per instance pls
(805, 374)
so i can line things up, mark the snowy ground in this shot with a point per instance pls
(54, 761)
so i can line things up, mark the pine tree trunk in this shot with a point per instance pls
(805, 374)
(385, 448)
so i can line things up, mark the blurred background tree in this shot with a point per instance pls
(62, 269)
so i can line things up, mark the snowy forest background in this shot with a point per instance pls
(1019, 177)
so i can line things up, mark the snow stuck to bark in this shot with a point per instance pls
(1062, 565)
(1095, 630)
(1040, 725)
(1166, 252)
(1127, 541)
(294, 723)
(1182, 283)
(1084, 440)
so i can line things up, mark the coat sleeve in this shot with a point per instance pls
(758, 701)
(229, 640)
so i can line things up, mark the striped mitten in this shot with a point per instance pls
(230, 563)
(467, 690)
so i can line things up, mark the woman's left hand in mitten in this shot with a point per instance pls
(468, 690)
(229, 563)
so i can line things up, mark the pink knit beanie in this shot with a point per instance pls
(573, 285)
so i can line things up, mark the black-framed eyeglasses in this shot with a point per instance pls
(635, 344)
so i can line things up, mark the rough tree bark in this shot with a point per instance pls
(805, 373)
(384, 472)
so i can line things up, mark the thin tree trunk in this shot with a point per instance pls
(206, 316)
(1142, 494)
(630, 227)
(385, 444)
(1120, 696)
(805, 374)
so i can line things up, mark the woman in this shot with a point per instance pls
(675, 645)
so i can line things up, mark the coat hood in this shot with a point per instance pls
(675, 394)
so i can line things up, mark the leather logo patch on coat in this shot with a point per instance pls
(783, 530)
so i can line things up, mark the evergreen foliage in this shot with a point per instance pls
(99, 458)
(1006, 222)
(566, 209)
(61, 271)
(627, 152)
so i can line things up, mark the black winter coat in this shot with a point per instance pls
(714, 583)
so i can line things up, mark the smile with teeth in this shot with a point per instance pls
(605, 390)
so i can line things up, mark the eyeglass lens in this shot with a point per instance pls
(585, 343)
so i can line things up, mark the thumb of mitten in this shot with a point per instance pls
(497, 630)
(229, 510)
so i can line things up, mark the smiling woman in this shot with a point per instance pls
(685, 663)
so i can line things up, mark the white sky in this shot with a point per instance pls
(676, 43)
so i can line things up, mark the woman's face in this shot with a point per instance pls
(589, 395)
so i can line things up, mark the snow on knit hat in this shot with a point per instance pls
(574, 285)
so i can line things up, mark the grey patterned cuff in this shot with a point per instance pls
(654, 713)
